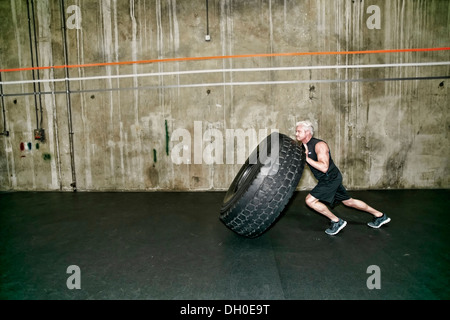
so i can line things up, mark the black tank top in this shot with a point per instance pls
(332, 169)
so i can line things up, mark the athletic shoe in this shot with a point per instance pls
(378, 222)
(336, 227)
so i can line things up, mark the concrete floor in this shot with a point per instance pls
(173, 246)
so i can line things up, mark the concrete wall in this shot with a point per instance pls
(383, 132)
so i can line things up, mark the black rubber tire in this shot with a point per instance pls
(263, 186)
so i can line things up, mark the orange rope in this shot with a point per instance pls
(261, 55)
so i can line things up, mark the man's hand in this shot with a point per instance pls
(306, 150)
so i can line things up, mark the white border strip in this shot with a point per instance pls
(361, 66)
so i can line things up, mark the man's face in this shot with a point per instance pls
(300, 133)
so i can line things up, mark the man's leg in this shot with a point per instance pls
(336, 223)
(361, 205)
(318, 206)
(379, 218)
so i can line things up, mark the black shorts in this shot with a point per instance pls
(330, 189)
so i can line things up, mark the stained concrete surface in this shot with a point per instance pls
(384, 134)
(172, 246)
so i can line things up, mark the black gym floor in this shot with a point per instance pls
(172, 246)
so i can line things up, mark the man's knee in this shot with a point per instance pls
(349, 202)
(310, 200)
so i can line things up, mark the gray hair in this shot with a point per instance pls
(307, 125)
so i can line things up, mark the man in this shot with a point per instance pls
(329, 188)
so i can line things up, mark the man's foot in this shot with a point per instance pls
(378, 222)
(336, 227)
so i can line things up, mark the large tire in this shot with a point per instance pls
(263, 186)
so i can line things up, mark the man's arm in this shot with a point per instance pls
(323, 157)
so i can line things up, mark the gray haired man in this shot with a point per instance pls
(329, 188)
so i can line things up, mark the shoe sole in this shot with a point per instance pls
(340, 228)
(384, 222)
